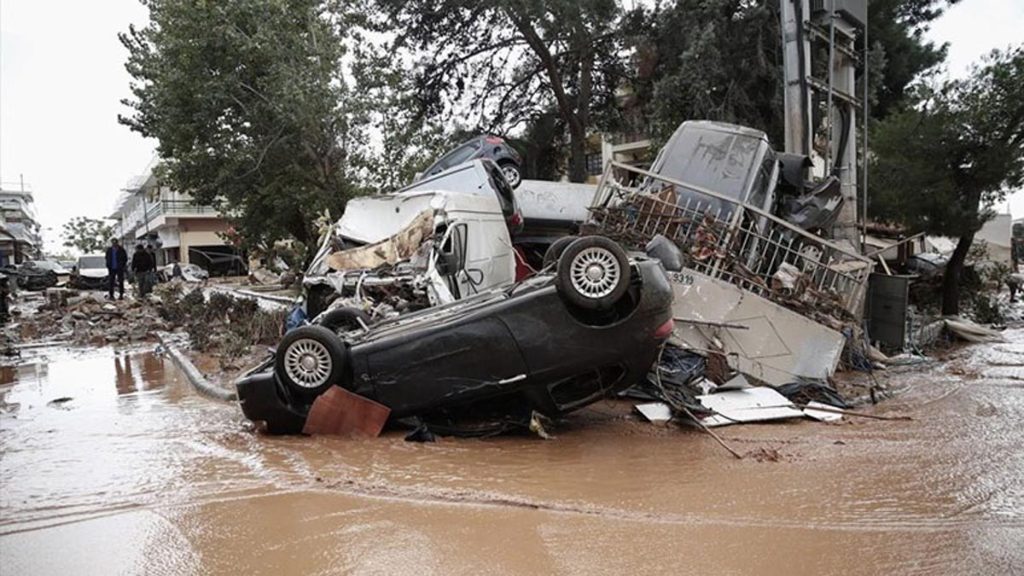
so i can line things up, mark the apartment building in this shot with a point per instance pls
(178, 229)
(20, 238)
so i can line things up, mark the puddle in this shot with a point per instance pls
(113, 456)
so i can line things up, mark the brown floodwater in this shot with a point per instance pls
(110, 464)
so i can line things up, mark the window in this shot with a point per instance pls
(594, 164)
(459, 155)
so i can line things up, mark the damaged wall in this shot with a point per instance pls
(778, 345)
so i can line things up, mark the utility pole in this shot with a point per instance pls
(821, 113)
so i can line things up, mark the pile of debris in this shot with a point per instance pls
(87, 319)
(684, 386)
(221, 326)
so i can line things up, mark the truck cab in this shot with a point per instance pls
(420, 247)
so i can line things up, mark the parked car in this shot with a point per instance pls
(28, 276)
(187, 272)
(490, 147)
(62, 272)
(475, 177)
(90, 273)
(550, 344)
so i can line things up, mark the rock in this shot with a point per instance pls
(110, 307)
(79, 315)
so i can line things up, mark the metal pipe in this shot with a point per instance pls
(831, 81)
(864, 154)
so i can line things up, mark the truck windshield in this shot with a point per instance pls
(91, 262)
(714, 159)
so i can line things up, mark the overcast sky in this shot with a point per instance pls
(62, 78)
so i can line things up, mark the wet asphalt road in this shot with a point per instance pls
(110, 464)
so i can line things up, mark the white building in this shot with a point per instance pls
(178, 229)
(20, 239)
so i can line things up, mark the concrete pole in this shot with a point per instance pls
(844, 78)
(796, 63)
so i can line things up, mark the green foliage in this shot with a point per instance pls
(939, 166)
(896, 30)
(222, 322)
(249, 105)
(87, 234)
(409, 139)
(708, 59)
(505, 62)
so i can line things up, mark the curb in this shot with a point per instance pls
(280, 301)
(195, 377)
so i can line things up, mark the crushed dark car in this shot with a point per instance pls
(485, 364)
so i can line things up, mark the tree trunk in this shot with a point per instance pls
(577, 152)
(951, 278)
(577, 127)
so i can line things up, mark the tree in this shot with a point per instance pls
(940, 166)
(247, 101)
(722, 60)
(86, 234)
(708, 59)
(506, 61)
(896, 32)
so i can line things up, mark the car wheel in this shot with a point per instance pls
(511, 173)
(554, 252)
(593, 273)
(344, 319)
(309, 360)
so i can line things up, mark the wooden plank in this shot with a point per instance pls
(343, 413)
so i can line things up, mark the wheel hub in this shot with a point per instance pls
(307, 363)
(595, 272)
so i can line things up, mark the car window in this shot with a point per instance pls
(459, 155)
(762, 182)
(92, 262)
(42, 264)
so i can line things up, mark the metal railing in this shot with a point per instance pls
(733, 241)
(177, 208)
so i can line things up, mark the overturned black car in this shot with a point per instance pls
(484, 364)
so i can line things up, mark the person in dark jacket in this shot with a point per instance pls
(143, 265)
(117, 262)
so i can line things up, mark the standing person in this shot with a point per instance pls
(151, 269)
(117, 261)
(140, 266)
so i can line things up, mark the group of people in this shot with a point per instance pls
(143, 267)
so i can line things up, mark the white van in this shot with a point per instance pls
(410, 250)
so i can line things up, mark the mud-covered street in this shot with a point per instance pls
(112, 464)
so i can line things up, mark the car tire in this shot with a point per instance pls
(554, 251)
(593, 273)
(512, 173)
(344, 319)
(309, 360)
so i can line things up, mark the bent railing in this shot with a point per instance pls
(733, 241)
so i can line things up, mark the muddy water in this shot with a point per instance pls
(109, 464)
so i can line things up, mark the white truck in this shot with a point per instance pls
(404, 251)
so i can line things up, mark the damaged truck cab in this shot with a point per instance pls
(405, 251)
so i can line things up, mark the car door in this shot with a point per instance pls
(447, 364)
